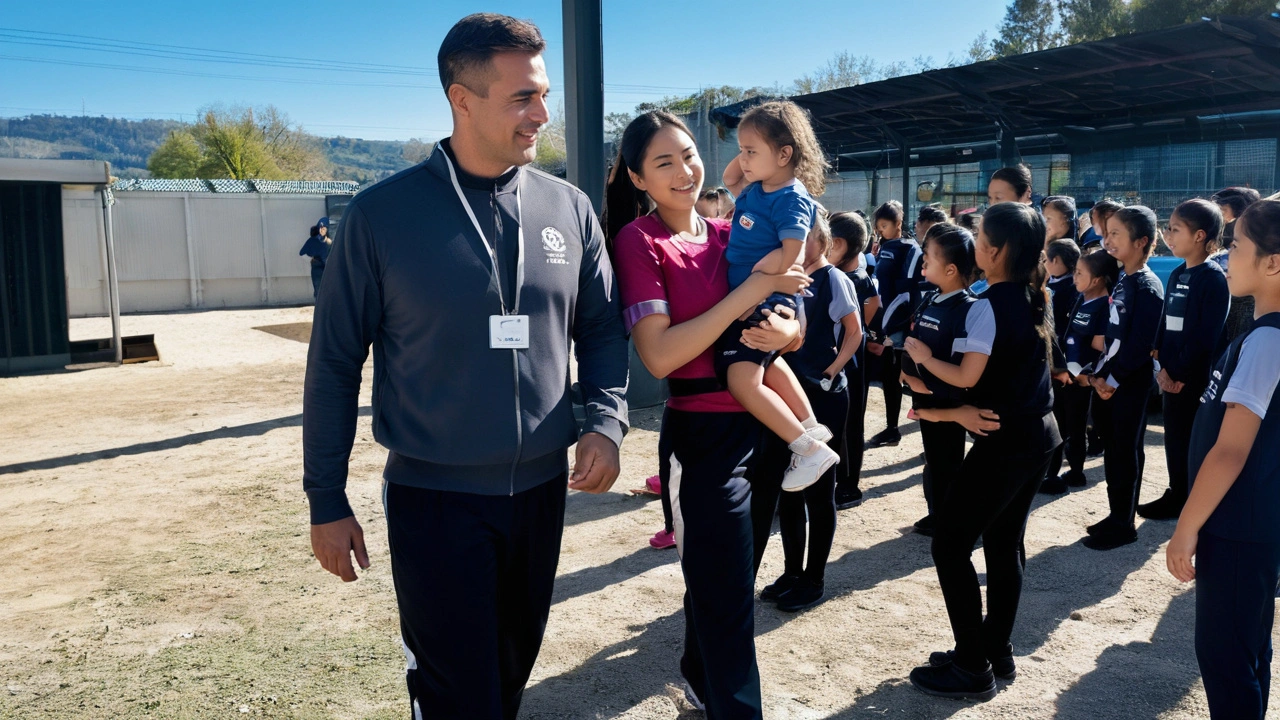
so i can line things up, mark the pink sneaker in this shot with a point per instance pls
(663, 540)
(654, 483)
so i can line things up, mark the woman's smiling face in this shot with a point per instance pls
(671, 173)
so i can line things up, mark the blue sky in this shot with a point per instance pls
(652, 48)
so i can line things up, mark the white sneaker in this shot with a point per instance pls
(805, 470)
(819, 432)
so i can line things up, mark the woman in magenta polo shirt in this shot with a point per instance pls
(673, 281)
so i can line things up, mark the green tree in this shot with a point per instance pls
(978, 51)
(615, 124)
(241, 144)
(1028, 26)
(1157, 14)
(178, 156)
(1088, 20)
(415, 150)
(847, 70)
(553, 152)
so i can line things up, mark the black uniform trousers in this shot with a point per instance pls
(1235, 610)
(891, 383)
(1071, 409)
(849, 474)
(1179, 415)
(711, 507)
(819, 499)
(990, 499)
(943, 456)
(1125, 453)
(473, 577)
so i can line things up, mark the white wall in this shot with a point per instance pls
(179, 251)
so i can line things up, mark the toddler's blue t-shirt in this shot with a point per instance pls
(762, 220)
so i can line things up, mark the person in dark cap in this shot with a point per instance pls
(317, 247)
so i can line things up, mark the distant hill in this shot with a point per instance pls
(127, 144)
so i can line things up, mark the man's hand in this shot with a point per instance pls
(595, 464)
(333, 544)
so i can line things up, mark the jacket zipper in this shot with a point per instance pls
(515, 354)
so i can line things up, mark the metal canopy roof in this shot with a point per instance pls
(1155, 87)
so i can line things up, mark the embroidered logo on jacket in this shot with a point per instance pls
(554, 246)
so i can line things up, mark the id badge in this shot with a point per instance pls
(509, 332)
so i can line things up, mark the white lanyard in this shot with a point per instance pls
(493, 256)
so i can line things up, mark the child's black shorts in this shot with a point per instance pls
(729, 348)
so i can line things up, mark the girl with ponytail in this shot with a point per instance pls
(1009, 411)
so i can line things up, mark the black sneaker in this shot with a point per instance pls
(925, 526)
(773, 591)
(885, 438)
(1096, 450)
(846, 499)
(952, 681)
(1101, 526)
(1111, 538)
(803, 596)
(1167, 507)
(1002, 667)
(1074, 478)
(1053, 486)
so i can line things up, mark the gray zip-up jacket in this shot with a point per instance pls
(409, 275)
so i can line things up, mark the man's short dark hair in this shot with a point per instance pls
(466, 55)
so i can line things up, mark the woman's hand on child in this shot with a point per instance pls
(779, 329)
(1178, 554)
(977, 421)
(1063, 377)
(918, 351)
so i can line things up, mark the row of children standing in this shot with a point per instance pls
(1118, 335)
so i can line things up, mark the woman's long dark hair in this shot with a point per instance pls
(623, 201)
(1018, 230)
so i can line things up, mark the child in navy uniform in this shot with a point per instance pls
(1010, 412)
(1231, 522)
(897, 272)
(833, 337)
(849, 236)
(1195, 312)
(1125, 375)
(1095, 276)
(943, 324)
(779, 163)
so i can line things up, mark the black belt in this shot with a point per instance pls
(694, 386)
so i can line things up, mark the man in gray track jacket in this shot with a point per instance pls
(469, 275)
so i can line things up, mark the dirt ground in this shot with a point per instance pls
(157, 528)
